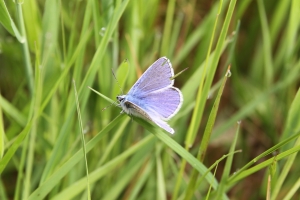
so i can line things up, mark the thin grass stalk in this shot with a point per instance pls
(160, 186)
(20, 178)
(2, 134)
(103, 170)
(195, 117)
(285, 171)
(262, 165)
(167, 29)
(197, 114)
(201, 179)
(268, 65)
(108, 150)
(82, 142)
(25, 48)
(210, 187)
(63, 33)
(32, 141)
(267, 152)
(53, 180)
(206, 136)
(222, 186)
(293, 190)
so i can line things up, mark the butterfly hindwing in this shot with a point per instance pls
(165, 102)
(133, 109)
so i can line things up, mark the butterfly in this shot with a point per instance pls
(153, 97)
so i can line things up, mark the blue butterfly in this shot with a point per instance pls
(153, 96)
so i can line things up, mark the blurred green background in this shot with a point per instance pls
(45, 45)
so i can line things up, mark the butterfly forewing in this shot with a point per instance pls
(156, 77)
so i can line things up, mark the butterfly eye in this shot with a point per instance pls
(120, 98)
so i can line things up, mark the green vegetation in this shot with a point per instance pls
(237, 134)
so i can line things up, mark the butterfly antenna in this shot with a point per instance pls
(117, 81)
(173, 77)
(108, 106)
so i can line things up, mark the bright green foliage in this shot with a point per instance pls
(47, 150)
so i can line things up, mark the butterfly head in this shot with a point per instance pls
(124, 104)
(121, 98)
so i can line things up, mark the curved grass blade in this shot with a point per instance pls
(54, 179)
(11, 151)
(180, 150)
(226, 172)
(269, 151)
(7, 21)
(260, 166)
(79, 185)
(206, 136)
(12, 111)
(2, 134)
(83, 142)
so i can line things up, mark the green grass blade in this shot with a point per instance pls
(292, 29)
(91, 73)
(9, 109)
(293, 122)
(85, 27)
(130, 171)
(33, 133)
(141, 181)
(6, 20)
(12, 150)
(3, 194)
(86, 40)
(82, 142)
(109, 148)
(121, 77)
(103, 96)
(65, 71)
(221, 188)
(267, 152)
(25, 48)
(293, 190)
(167, 29)
(262, 165)
(249, 107)
(77, 187)
(2, 134)
(197, 114)
(160, 185)
(267, 44)
(203, 92)
(206, 136)
(214, 165)
(180, 150)
(52, 181)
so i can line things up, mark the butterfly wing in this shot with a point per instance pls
(136, 110)
(156, 77)
(153, 95)
(165, 103)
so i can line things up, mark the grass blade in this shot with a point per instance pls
(82, 142)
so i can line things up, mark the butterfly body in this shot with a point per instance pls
(153, 96)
